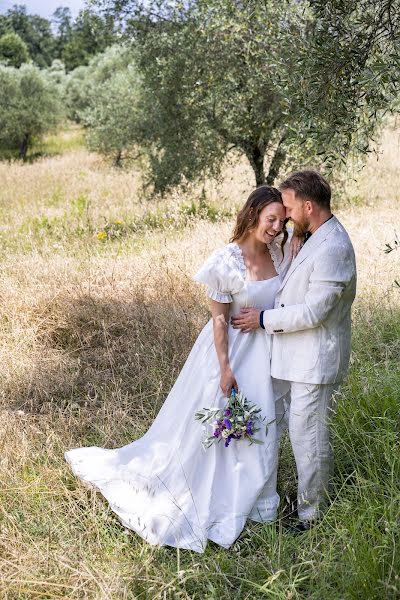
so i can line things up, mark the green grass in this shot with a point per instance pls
(352, 554)
(67, 139)
(75, 229)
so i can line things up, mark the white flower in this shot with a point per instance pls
(225, 433)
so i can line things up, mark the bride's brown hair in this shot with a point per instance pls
(249, 215)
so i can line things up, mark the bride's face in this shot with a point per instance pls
(270, 222)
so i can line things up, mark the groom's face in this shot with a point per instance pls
(296, 210)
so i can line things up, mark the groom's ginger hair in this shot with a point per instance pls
(309, 185)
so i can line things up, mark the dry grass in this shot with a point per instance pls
(91, 339)
(59, 203)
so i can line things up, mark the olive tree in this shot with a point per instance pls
(113, 117)
(294, 80)
(213, 76)
(30, 106)
(85, 82)
(105, 97)
(348, 77)
(13, 50)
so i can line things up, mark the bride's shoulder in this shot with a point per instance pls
(230, 255)
(224, 270)
(232, 251)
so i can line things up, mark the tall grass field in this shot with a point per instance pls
(98, 312)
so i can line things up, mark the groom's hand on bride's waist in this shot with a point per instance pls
(247, 320)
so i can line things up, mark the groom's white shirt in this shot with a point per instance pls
(311, 321)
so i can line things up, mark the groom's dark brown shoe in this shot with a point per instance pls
(300, 527)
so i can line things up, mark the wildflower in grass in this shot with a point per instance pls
(101, 236)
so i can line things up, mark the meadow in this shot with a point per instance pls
(98, 313)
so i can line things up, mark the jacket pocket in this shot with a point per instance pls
(304, 349)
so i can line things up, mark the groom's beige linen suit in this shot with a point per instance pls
(311, 327)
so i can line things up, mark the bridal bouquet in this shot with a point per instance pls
(238, 420)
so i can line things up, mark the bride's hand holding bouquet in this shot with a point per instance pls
(228, 381)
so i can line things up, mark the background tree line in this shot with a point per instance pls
(182, 85)
(36, 56)
(25, 37)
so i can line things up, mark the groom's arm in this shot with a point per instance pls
(330, 277)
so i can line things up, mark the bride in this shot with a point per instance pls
(165, 486)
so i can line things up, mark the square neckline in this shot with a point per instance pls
(245, 268)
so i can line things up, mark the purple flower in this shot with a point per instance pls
(249, 429)
(228, 440)
(227, 412)
(228, 424)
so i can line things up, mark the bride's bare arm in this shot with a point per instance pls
(220, 317)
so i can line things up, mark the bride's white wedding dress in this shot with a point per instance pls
(165, 486)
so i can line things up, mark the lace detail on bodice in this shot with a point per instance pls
(275, 251)
(281, 258)
(236, 252)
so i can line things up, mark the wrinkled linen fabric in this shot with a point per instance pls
(165, 485)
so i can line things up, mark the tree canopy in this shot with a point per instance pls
(280, 81)
(35, 31)
(350, 75)
(212, 82)
(105, 97)
(13, 50)
(30, 106)
(74, 41)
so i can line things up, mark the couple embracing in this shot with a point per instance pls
(279, 333)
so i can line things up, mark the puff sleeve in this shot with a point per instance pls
(224, 273)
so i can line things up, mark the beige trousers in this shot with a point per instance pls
(306, 411)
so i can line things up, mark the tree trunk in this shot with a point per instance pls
(277, 161)
(118, 159)
(23, 149)
(256, 159)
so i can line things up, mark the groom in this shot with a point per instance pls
(311, 327)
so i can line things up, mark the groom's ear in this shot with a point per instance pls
(308, 205)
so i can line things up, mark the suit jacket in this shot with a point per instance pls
(311, 321)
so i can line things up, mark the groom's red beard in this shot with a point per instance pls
(300, 227)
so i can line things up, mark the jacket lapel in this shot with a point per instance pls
(310, 246)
